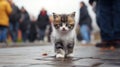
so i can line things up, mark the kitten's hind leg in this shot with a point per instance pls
(59, 49)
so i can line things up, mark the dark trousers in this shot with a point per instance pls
(32, 36)
(41, 34)
(24, 36)
(108, 19)
(14, 31)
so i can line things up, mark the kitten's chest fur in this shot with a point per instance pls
(68, 37)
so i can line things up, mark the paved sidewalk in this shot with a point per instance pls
(22, 44)
(43, 56)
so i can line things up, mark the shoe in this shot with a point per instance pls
(104, 44)
(84, 42)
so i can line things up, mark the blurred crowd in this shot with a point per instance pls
(13, 19)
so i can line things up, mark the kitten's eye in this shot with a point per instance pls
(71, 26)
(67, 24)
(57, 26)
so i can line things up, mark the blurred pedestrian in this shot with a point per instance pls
(24, 23)
(108, 14)
(32, 29)
(93, 4)
(5, 11)
(14, 21)
(43, 21)
(85, 23)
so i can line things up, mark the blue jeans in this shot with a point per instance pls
(14, 31)
(3, 34)
(108, 19)
(41, 34)
(85, 32)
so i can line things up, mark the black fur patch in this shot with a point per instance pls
(64, 18)
(59, 45)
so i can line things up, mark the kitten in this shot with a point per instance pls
(63, 35)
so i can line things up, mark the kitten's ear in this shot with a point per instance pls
(54, 15)
(73, 14)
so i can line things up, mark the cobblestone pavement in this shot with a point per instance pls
(43, 56)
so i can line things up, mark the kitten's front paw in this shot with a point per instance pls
(60, 56)
(70, 55)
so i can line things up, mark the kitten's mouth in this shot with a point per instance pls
(64, 29)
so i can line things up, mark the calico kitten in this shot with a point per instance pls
(63, 34)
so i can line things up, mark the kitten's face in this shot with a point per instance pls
(64, 22)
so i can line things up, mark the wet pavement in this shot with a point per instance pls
(43, 56)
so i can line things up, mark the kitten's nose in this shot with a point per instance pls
(63, 29)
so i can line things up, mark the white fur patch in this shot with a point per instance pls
(70, 55)
(60, 56)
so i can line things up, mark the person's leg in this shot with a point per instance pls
(24, 36)
(16, 27)
(0, 34)
(4, 34)
(116, 22)
(42, 34)
(104, 19)
(32, 37)
(11, 31)
(105, 22)
(85, 33)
